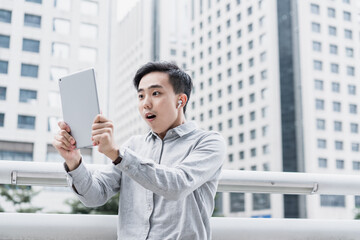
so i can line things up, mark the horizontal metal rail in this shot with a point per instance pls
(53, 174)
(68, 226)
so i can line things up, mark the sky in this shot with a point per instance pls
(124, 6)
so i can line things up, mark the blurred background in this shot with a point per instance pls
(278, 79)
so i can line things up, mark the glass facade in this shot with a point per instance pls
(29, 70)
(32, 20)
(31, 45)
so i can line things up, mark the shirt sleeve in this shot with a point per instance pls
(94, 189)
(177, 182)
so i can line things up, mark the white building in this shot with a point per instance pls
(41, 41)
(278, 80)
(154, 30)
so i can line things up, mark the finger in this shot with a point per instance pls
(58, 144)
(64, 126)
(108, 124)
(65, 137)
(100, 119)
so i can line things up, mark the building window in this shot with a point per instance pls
(339, 145)
(263, 57)
(356, 165)
(239, 67)
(237, 202)
(230, 141)
(348, 34)
(317, 65)
(331, 13)
(336, 106)
(350, 71)
(2, 119)
(238, 17)
(322, 162)
(332, 31)
(228, 56)
(27, 96)
(251, 62)
(26, 122)
(264, 75)
(354, 127)
(241, 120)
(316, 46)
(253, 152)
(265, 130)
(352, 89)
(219, 110)
(353, 108)
(357, 201)
(315, 9)
(2, 93)
(251, 80)
(319, 84)
(347, 16)
(30, 45)
(265, 149)
(239, 50)
(60, 50)
(35, 1)
(210, 114)
(241, 137)
(250, 27)
(58, 72)
(89, 8)
(335, 87)
(261, 201)
(250, 44)
(62, 26)
(319, 104)
(315, 27)
(252, 116)
(321, 143)
(334, 68)
(337, 126)
(333, 49)
(29, 70)
(229, 106)
(264, 111)
(32, 20)
(220, 127)
(17, 151)
(219, 93)
(5, 16)
(229, 72)
(320, 124)
(355, 147)
(349, 52)
(240, 84)
(4, 41)
(340, 164)
(332, 201)
(252, 97)
(4, 67)
(230, 157)
(241, 155)
(62, 4)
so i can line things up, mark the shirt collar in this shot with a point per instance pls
(180, 130)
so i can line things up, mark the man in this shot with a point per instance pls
(168, 178)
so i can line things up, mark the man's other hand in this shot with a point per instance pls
(102, 136)
(65, 145)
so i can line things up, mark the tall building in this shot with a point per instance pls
(278, 80)
(41, 41)
(154, 30)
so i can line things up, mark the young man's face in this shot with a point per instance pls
(158, 103)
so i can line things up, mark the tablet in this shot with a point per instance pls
(80, 104)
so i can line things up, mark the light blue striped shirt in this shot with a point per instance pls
(167, 187)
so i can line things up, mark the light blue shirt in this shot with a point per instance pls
(167, 187)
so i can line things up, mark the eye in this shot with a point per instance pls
(156, 93)
(140, 96)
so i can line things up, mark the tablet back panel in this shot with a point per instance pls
(80, 105)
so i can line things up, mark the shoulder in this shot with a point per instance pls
(210, 138)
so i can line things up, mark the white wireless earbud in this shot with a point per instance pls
(179, 103)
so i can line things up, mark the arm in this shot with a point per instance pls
(179, 181)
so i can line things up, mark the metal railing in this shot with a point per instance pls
(68, 226)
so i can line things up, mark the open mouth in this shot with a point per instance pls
(150, 116)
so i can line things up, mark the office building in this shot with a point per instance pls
(41, 41)
(278, 79)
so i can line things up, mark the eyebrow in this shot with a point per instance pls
(151, 86)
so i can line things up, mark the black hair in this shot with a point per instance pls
(180, 81)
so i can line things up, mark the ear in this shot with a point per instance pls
(183, 99)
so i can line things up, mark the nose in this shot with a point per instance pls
(147, 103)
